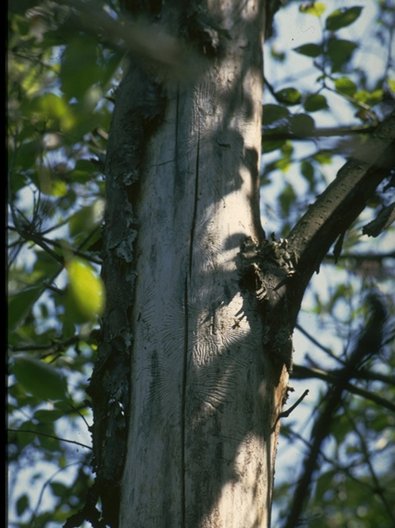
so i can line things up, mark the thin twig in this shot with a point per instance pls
(40, 497)
(328, 132)
(311, 338)
(31, 431)
(285, 414)
(53, 346)
(302, 372)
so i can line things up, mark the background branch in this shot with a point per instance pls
(368, 344)
(332, 377)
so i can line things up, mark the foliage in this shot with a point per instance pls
(60, 84)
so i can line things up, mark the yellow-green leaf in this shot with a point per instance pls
(313, 8)
(345, 86)
(85, 290)
(289, 96)
(56, 110)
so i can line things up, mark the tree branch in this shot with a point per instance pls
(378, 257)
(53, 346)
(340, 204)
(287, 412)
(301, 372)
(44, 243)
(315, 342)
(32, 431)
(379, 490)
(327, 132)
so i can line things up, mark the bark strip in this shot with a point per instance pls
(134, 124)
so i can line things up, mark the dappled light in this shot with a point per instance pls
(200, 264)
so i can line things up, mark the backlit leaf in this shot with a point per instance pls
(55, 111)
(289, 96)
(313, 8)
(345, 86)
(85, 290)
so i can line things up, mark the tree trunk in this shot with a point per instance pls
(181, 202)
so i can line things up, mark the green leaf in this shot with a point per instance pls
(287, 198)
(313, 8)
(324, 483)
(22, 504)
(45, 266)
(283, 164)
(342, 17)
(370, 98)
(85, 292)
(84, 221)
(301, 124)
(315, 102)
(272, 113)
(26, 155)
(79, 69)
(59, 489)
(83, 172)
(39, 378)
(278, 56)
(340, 52)
(270, 146)
(289, 96)
(310, 50)
(24, 438)
(110, 61)
(323, 157)
(54, 111)
(48, 416)
(20, 304)
(307, 171)
(345, 86)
